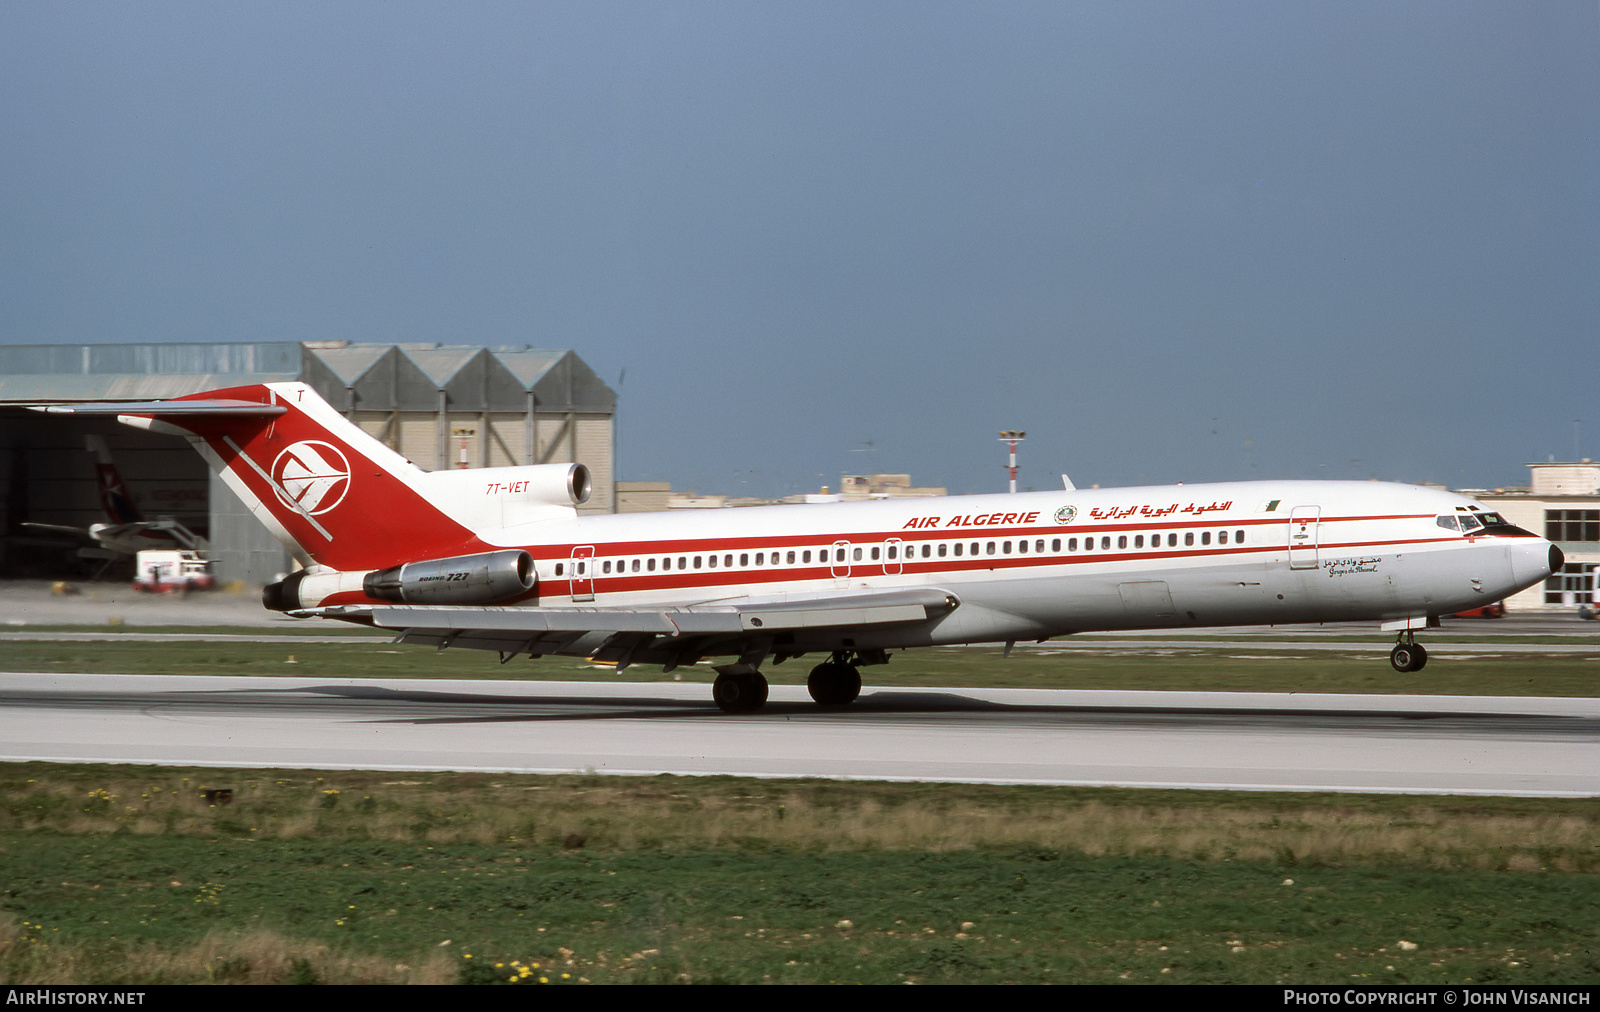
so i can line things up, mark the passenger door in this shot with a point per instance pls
(1305, 524)
(583, 573)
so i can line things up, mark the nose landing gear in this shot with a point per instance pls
(1408, 654)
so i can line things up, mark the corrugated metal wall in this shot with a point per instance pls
(521, 405)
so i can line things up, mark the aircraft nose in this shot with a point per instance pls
(1533, 559)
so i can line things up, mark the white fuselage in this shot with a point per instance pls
(1042, 564)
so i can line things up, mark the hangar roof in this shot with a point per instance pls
(368, 377)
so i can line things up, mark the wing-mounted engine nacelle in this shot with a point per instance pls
(465, 579)
(486, 578)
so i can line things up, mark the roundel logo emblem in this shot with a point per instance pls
(1066, 514)
(312, 475)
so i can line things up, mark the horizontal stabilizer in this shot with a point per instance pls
(203, 407)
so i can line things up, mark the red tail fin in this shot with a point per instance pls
(333, 494)
(114, 498)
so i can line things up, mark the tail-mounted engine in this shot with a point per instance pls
(487, 578)
(465, 579)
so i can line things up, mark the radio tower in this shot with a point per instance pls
(1011, 438)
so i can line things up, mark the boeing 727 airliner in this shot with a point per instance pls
(498, 558)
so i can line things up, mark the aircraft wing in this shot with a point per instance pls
(624, 635)
(78, 532)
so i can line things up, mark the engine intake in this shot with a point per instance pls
(464, 579)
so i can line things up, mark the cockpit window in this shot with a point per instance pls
(1481, 522)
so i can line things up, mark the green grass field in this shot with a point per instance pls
(119, 874)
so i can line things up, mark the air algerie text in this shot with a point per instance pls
(979, 520)
(1098, 513)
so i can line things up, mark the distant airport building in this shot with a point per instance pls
(441, 406)
(647, 496)
(855, 487)
(1562, 503)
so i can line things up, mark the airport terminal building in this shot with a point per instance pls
(1562, 503)
(440, 406)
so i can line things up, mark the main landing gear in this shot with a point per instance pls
(740, 688)
(740, 693)
(834, 682)
(1408, 654)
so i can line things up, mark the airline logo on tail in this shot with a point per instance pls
(311, 476)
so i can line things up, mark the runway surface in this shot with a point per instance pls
(1238, 741)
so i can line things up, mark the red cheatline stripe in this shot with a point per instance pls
(621, 583)
(870, 538)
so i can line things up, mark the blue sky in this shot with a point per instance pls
(1172, 241)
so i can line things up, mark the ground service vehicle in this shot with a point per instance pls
(172, 571)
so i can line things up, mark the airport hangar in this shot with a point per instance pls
(438, 405)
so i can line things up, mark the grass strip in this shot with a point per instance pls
(132, 876)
